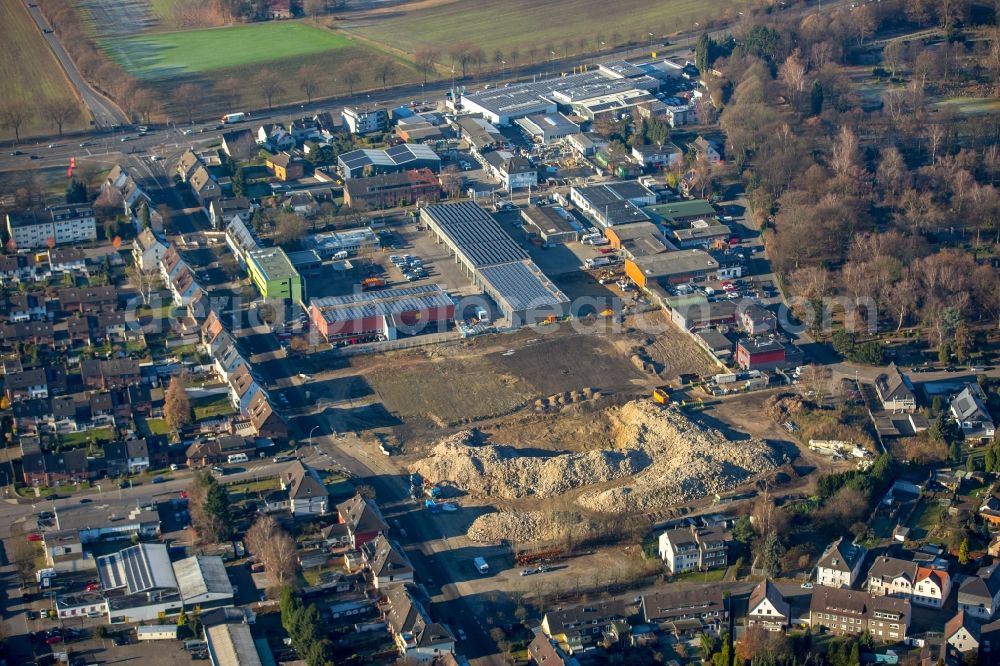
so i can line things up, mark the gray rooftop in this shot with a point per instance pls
(103, 514)
(202, 574)
(477, 235)
(523, 286)
(138, 568)
(386, 302)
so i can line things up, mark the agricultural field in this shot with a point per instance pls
(167, 60)
(34, 76)
(172, 54)
(526, 24)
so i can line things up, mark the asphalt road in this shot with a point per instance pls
(104, 112)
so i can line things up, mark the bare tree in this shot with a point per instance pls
(425, 59)
(309, 77)
(290, 228)
(228, 90)
(60, 112)
(13, 115)
(269, 84)
(188, 96)
(176, 405)
(863, 23)
(935, 137)
(451, 181)
(144, 281)
(385, 70)
(21, 554)
(350, 74)
(701, 176)
(145, 103)
(272, 547)
(814, 383)
(793, 75)
(892, 56)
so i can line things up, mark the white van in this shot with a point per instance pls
(340, 255)
(43, 574)
(237, 458)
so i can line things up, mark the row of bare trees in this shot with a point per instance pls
(138, 101)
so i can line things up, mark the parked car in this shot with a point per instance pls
(92, 587)
(34, 536)
(158, 479)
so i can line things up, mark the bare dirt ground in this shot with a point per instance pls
(569, 361)
(467, 382)
(669, 350)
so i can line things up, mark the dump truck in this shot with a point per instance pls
(661, 395)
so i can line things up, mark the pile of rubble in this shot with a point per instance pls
(689, 461)
(656, 457)
(503, 471)
(519, 527)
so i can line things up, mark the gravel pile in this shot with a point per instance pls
(658, 457)
(503, 471)
(525, 527)
(689, 461)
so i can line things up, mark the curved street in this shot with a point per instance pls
(104, 112)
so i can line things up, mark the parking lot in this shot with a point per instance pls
(439, 267)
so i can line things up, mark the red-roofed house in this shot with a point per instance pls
(932, 587)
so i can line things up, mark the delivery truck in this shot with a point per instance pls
(481, 565)
(231, 118)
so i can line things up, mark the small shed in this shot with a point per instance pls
(157, 632)
(901, 533)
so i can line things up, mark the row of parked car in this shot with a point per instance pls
(411, 267)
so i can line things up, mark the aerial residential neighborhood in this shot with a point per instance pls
(341, 332)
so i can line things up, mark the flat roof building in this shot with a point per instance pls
(672, 267)
(496, 263)
(351, 241)
(701, 232)
(613, 203)
(274, 275)
(548, 127)
(638, 239)
(678, 213)
(411, 310)
(551, 223)
(55, 225)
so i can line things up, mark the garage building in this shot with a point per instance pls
(370, 315)
(495, 263)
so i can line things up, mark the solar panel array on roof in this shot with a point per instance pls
(407, 152)
(524, 286)
(364, 156)
(395, 301)
(109, 572)
(477, 235)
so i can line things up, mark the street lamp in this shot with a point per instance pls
(503, 70)
(552, 55)
(650, 42)
(311, 438)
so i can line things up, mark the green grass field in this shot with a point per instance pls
(29, 70)
(172, 54)
(527, 24)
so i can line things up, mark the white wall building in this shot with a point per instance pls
(840, 564)
(58, 225)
